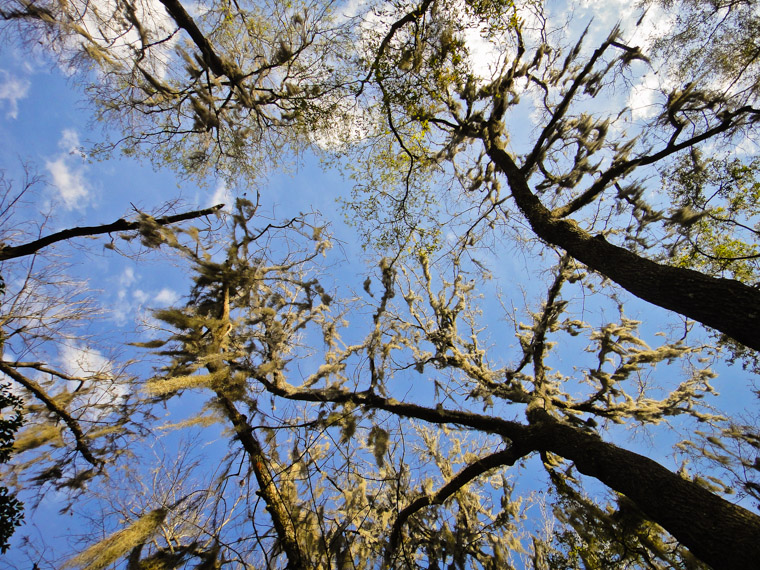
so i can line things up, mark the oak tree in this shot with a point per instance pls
(385, 429)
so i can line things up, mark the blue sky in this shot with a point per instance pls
(45, 125)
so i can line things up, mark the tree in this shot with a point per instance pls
(210, 118)
(328, 451)
(575, 156)
(78, 415)
(241, 337)
(714, 39)
(227, 96)
(145, 225)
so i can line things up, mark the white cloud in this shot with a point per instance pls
(654, 24)
(102, 22)
(127, 277)
(222, 195)
(69, 182)
(83, 361)
(484, 55)
(140, 296)
(639, 25)
(198, 9)
(122, 308)
(12, 90)
(747, 147)
(166, 297)
(68, 172)
(610, 11)
(643, 98)
(102, 387)
(70, 142)
(353, 8)
(133, 304)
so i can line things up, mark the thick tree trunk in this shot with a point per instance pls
(723, 304)
(719, 533)
(716, 531)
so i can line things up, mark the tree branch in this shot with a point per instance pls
(473, 471)
(726, 305)
(564, 105)
(81, 446)
(180, 16)
(396, 26)
(705, 523)
(624, 167)
(722, 534)
(281, 517)
(121, 225)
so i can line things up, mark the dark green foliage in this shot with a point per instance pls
(11, 509)
(714, 216)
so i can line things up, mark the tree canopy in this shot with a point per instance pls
(386, 416)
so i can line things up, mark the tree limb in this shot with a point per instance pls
(704, 522)
(180, 16)
(501, 458)
(396, 26)
(619, 169)
(726, 305)
(721, 534)
(121, 225)
(41, 395)
(278, 510)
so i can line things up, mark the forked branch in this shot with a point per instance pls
(506, 457)
(49, 403)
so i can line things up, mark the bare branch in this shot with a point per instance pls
(121, 225)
